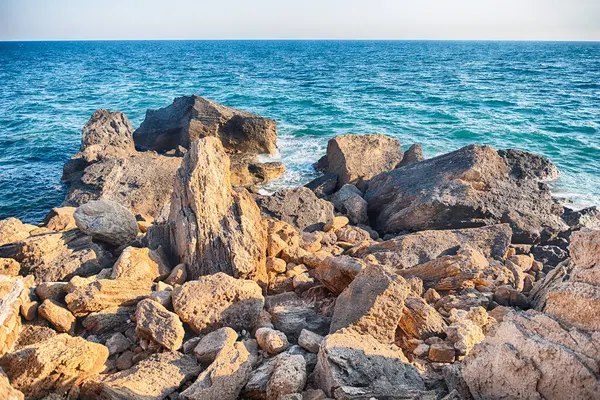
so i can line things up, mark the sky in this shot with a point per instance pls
(300, 19)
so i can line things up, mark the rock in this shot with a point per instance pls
(419, 320)
(209, 346)
(549, 255)
(29, 310)
(276, 265)
(155, 322)
(14, 292)
(105, 293)
(54, 365)
(310, 341)
(280, 236)
(213, 228)
(9, 267)
(585, 248)
(463, 332)
(162, 297)
(468, 187)
(51, 290)
(59, 317)
(507, 296)
(372, 304)
(336, 223)
(225, 378)
(524, 165)
(406, 251)
(291, 318)
(584, 218)
(8, 393)
(107, 221)
(54, 257)
(414, 154)
(530, 356)
(218, 300)
(335, 273)
(124, 361)
(178, 275)
(110, 319)
(357, 366)
(289, 376)
(106, 134)
(141, 264)
(152, 379)
(246, 170)
(271, 340)
(441, 353)
(345, 158)
(348, 200)
(324, 185)
(13, 230)
(60, 219)
(192, 117)
(117, 343)
(352, 235)
(298, 207)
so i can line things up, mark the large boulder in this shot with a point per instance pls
(525, 165)
(152, 379)
(212, 227)
(357, 158)
(106, 135)
(469, 187)
(14, 292)
(141, 264)
(54, 365)
(155, 322)
(299, 207)
(107, 221)
(193, 117)
(531, 356)
(349, 201)
(218, 300)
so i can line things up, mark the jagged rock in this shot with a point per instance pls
(324, 185)
(310, 341)
(117, 343)
(372, 304)
(209, 346)
(218, 300)
(13, 230)
(246, 170)
(292, 315)
(152, 379)
(106, 135)
(441, 353)
(465, 331)
(14, 292)
(406, 251)
(549, 255)
(468, 187)
(585, 248)
(353, 366)
(155, 322)
(7, 391)
(107, 221)
(271, 340)
(178, 275)
(524, 165)
(585, 218)
(335, 273)
(141, 264)
(192, 117)
(348, 200)
(59, 317)
(60, 219)
(419, 320)
(298, 207)
(530, 356)
(213, 228)
(111, 319)
(280, 236)
(225, 378)
(54, 365)
(288, 376)
(105, 293)
(346, 158)
(413, 155)
(9, 267)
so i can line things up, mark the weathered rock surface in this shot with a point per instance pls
(419, 320)
(299, 207)
(246, 170)
(14, 292)
(104, 293)
(152, 379)
(107, 221)
(372, 304)
(465, 188)
(413, 155)
(530, 356)
(213, 228)
(348, 200)
(54, 365)
(271, 340)
(289, 376)
(525, 165)
(155, 322)
(111, 319)
(346, 157)
(13, 230)
(9, 267)
(7, 392)
(335, 273)
(106, 135)
(59, 317)
(141, 264)
(218, 300)
(209, 346)
(60, 219)
(585, 218)
(324, 185)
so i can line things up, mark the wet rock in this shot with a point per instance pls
(413, 155)
(348, 200)
(59, 317)
(152, 379)
(218, 300)
(107, 221)
(141, 264)
(209, 346)
(105, 293)
(60, 219)
(288, 376)
(155, 322)
(271, 340)
(298, 207)
(191, 118)
(524, 165)
(345, 157)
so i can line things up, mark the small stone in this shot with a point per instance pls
(442, 353)
(271, 340)
(209, 346)
(124, 361)
(310, 341)
(275, 264)
(421, 350)
(337, 223)
(178, 275)
(117, 343)
(29, 310)
(59, 317)
(289, 376)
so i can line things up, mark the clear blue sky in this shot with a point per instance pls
(300, 19)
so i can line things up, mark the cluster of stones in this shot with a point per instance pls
(390, 276)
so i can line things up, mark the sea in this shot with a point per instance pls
(542, 97)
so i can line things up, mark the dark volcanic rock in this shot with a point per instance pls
(466, 188)
(524, 165)
(192, 117)
(585, 218)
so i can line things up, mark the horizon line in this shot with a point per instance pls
(301, 39)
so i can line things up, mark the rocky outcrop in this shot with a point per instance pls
(413, 155)
(193, 117)
(465, 188)
(525, 165)
(107, 221)
(218, 300)
(106, 135)
(346, 158)
(298, 207)
(13, 230)
(531, 356)
(54, 365)
(60, 219)
(156, 323)
(104, 293)
(213, 228)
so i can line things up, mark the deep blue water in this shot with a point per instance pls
(538, 96)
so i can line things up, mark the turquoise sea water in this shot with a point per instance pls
(538, 96)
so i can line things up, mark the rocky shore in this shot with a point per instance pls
(168, 274)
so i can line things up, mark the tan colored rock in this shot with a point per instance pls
(218, 300)
(105, 293)
(338, 222)
(335, 273)
(60, 219)
(117, 343)
(111, 319)
(59, 317)
(14, 292)
(9, 267)
(13, 230)
(462, 332)
(209, 346)
(51, 290)
(246, 170)
(280, 236)
(178, 275)
(213, 228)
(310, 341)
(29, 310)
(152, 379)
(585, 248)
(7, 392)
(276, 265)
(419, 320)
(441, 353)
(54, 365)
(530, 356)
(271, 340)
(155, 322)
(141, 264)
(107, 221)
(288, 376)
